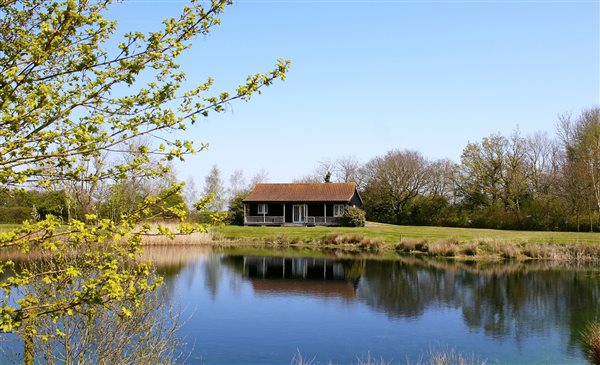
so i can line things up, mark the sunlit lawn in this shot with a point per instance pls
(7, 226)
(393, 234)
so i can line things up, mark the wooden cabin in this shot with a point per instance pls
(301, 204)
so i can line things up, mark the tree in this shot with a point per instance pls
(392, 181)
(70, 93)
(213, 187)
(260, 177)
(482, 164)
(581, 142)
(348, 169)
(191, 192)
(441, 179)
(237, 182)
(236, 207)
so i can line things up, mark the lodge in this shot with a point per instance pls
(299, 204)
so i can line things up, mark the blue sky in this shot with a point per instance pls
(370, 76)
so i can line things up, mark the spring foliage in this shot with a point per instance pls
(72, 94)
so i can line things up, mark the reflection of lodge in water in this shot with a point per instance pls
(301, 276)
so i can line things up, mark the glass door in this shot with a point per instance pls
(298, 214)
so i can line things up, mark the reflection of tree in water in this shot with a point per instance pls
(173, 261)
(515, 302)
(212, 274)
(402, 290)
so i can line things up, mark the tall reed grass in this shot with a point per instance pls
(435, 357)
(591, 340)
(154, 238)
(486, 248)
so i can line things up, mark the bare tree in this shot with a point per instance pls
(581, 141)
(442, 179)
(347, 169)
(191, 192)
(310, 178)
(393, 180)
(541, 155)
(260, 177)
(237, 182)
(213, 186)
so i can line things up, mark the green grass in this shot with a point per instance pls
(392, 234)
(8, 226)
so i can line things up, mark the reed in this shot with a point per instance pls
(451, 357)
(298, 359)
(591, 340)
(154, 238)
(442, 357)
(504, 249)
(470, 249)
(410, 245)
(447, 248)
(371, 244)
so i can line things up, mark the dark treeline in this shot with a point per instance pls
(19, 205)
(537, 182)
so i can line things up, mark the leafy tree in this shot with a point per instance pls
(236, 207)
(70, 93)
(482, 165)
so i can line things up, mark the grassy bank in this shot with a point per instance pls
(432, 241)
(392, 234)
(383, 239)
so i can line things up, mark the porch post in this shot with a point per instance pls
(265, 214)
(324, 213)
(283, 212)
(244, 214)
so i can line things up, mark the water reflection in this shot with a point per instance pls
(318, 277)
(502, 308)
(508, 300)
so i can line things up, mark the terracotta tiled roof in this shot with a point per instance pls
(302, 192)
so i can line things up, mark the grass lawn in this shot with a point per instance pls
(8, 226)
(392, 234)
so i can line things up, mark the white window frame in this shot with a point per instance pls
(338, 210)
(263, 208)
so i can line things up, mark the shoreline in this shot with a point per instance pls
(480, 249)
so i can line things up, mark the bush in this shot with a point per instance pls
(15, 214)
(236, 208)
(353, 217)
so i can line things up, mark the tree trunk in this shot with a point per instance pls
(28, 349)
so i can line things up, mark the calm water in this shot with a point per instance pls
(262, 309)
(257, 307)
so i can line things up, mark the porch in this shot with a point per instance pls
(265, 220)
(293, 214)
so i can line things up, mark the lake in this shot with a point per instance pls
(262, 307)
